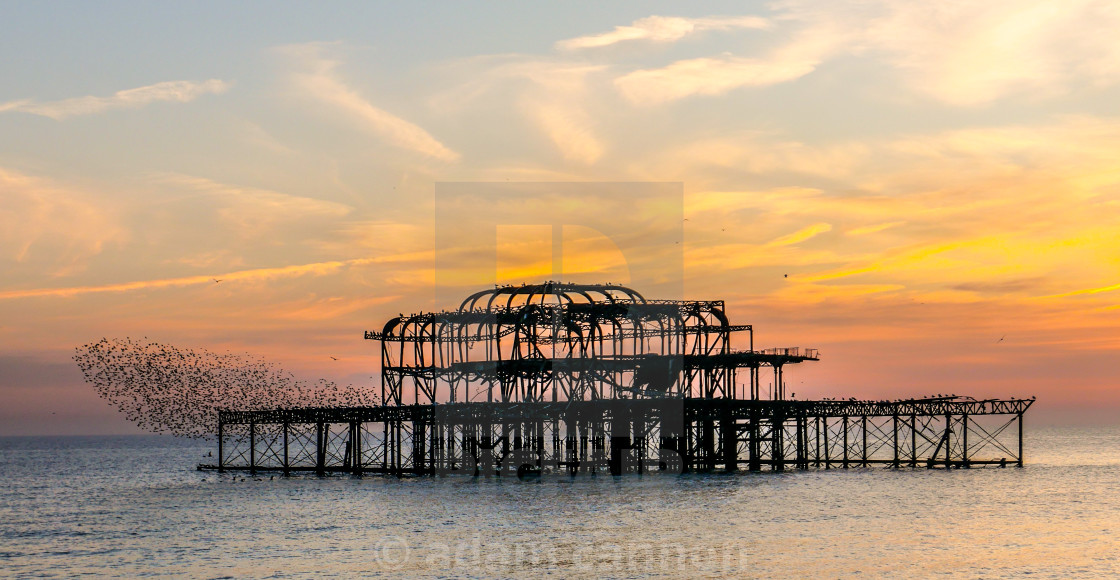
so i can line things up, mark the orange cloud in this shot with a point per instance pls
(315, 269)
(801, 235)
(58, 228)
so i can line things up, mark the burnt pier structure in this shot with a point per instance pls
(597, 379)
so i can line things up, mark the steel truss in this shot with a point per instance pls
(563, 342)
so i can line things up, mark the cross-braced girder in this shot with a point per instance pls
(560, 342)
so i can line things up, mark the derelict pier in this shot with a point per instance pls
(597, 379)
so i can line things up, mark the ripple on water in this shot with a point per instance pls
(155, 516)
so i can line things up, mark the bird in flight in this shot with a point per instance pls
(216, 280)
(332, 358)
(1001, 339)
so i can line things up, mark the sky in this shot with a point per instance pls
(927, 192)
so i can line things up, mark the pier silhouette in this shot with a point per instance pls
(597, 379)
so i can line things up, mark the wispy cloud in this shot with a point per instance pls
(761, 153)
(570, 129)
(317, 76)
(965, 54)
(662, 29)
(718, 75)
(1112, 288)
(257, 136)
(801, 235)
(53, 226)
(958, 54)
(873, 228)
(1016, 285)
(971, 55)
(170, 91)
(329, 308)
(313, 269)
(1022, 212)
(553, 95)
(556, 103)
(254, 211)
(706, 76)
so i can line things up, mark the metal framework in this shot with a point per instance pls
(574, 378)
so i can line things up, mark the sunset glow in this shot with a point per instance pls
(927, 193)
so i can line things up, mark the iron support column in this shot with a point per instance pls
(1020, 461)
(964, 441)
(913, 440)
(778, 430)
(863, 429)
(827, 455)
(730, 439)
(320, 451)
(896, 454)
(287, 465)
(221, 437)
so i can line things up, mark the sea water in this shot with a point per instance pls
(135, 506)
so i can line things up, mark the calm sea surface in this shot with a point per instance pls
(135, 506)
